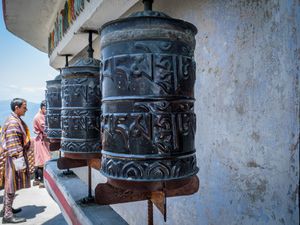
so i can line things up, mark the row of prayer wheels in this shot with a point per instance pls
(135, 107)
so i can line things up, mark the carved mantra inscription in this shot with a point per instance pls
(53, 119)
(148, 73)
(152, 128)
(81, 123)
(81, 93)
(53, 98)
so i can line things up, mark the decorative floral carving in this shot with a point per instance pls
(80, 147)
(150, 170)
(54, 133)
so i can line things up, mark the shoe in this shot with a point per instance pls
(15, 211)
(41, 185)
(35, 182)
(13, 219)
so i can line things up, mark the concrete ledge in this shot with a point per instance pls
(68, 190)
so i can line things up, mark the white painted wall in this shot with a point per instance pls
(247, 106)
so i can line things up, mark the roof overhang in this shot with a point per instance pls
(30, 20)
(33, 20)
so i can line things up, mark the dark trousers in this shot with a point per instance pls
(38, 174)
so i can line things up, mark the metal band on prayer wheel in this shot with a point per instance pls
(81, 104)
(148, 74)
(53, 105)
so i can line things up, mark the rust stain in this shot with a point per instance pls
(253, 164)
(255, 136)
(294, 147)
(256, 189)
(240, 109)
(281, 220)
(295, 194)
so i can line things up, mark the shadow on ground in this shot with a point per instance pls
(30, 211)
(59, 219)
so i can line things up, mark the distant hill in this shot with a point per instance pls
(28, 118)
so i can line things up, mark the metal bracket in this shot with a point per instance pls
(159, 199)
(94, 163)
(67, 58)
(108, 193)
(54, 145)
(88, 30)
(67, 163)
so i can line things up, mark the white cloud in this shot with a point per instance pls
(30, 93)
(33, 89)
(12, 86)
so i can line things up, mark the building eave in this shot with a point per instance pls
(32, 21)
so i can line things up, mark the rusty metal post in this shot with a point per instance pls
(150, 212)
(90, 182)
(90, 49)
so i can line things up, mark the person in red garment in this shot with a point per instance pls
(41, 147)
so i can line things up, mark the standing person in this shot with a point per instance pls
(0, 144)
(1, 165)
(41, 147)
(15, 138)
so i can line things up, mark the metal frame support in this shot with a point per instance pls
(68, 163)
(108, 193)
(67, 58)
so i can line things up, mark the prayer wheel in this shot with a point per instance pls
(148, 122)
(81, 104)
(53, 105)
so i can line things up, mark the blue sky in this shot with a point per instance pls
(23, 69)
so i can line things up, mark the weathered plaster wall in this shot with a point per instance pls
(247, 106)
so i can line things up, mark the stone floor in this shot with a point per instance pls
(68, 191)
(37, 207)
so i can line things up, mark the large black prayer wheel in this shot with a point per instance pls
(148, 122)
(53, 105)
(81, 103)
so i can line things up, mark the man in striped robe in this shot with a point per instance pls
(15, 138)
